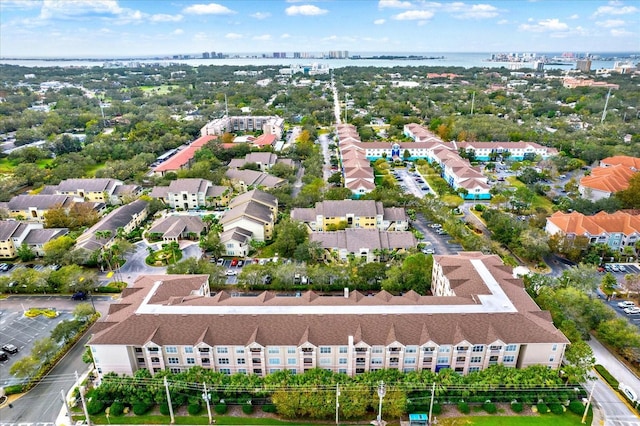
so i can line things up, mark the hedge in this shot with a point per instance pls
(221, 409)
(194, 409)
(116, 409)
(490, 407)
(269, 408)
(556, 408)
(576, 407)
(247, 409)
(464, 408)
(542, 408)
(517, 407)
(164, 409)
(141, 408)
(607, 376)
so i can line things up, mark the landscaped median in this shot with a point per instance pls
(47, 312)
(615, 385)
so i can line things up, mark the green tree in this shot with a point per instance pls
(25, 367)
(55, 251)
(25, 253)
(289, 234)
(630, 197)
(619, 334)
(65, 330)
(579, 362)
(44, 348)
(83, 311)
(211, 243)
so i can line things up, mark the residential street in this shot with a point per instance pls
(616, 412)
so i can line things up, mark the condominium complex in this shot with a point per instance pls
(480, 316)
(272, 125)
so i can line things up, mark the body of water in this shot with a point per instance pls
(466, 60)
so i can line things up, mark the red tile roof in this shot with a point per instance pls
(183, 157)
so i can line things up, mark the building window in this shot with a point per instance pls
(462, 348)
(495, 347)
(175, 370)
(154, 349)
(343, 349)
(428, 349)
(223, 360)
(188, 349)
(273, 370)
(206, 361)
(242, 370)
(274, 350)
(510, 348)
(239, 350)
(411, 349)
(552, 358)
(461, 359)
(342, 370)
(173, 360)
(291, 350)
(292, 361)
(274, 361)
(476, 359)
(222, 350)
(138, 350)
(342, 361)
(225, 370)
(478, 348)
(377, 350)
(508, 358)
(240, 361)
(376, 361)
(201, 350)
(445, 349)
(442, 360)
(409, 360)
(408, 369)
(191, 361)
(554, 347)
(325, 350)
(141, 360)
(325, 361)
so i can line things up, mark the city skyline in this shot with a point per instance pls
(99, 28)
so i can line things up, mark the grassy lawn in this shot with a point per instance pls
(158, 90)
(195, 420)
(538, 200)
(567, 419)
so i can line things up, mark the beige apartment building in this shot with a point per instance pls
(482, 316)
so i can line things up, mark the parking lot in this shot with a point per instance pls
(441, 243)
(21, 331)
(411, 182)
(633, 318)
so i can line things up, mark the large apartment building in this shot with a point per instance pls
(332, 215)
(191, 194)
(480, 316)
(272, 125)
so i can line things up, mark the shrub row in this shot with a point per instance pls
(607, 376)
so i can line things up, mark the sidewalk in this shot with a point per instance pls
(63, 417)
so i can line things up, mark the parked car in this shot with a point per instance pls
(626, 304)
(634, 310)
(220, 262)
(428, 251)
(608, 268)
(622, 268)
(615, 268)
(3, 356)
(231, 272)
(240, 263)
(267, 279)
(234, 262)
(79, 295)
(9, 348)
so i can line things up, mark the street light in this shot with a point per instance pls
(382, 390)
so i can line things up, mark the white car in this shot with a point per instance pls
(615, 268)
(231, 272)
(622, 268)
(428, 251)
(632, 311)
(626, 304)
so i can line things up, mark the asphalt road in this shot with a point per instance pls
(616, 412)
(442, 244)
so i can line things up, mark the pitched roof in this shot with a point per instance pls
(608, 179)
(42, 202)
(254, 195)
(90, 185)
(41, 236)
(182, 158)
(190, 186)
(251, 209)
(8, 228)
(598, 224)
(624, 160)
(355, 239)
(265, 139)
(254, 178)
(174, 226)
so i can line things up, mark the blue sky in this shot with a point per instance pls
(100, 28)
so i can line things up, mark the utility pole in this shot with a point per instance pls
(586, 409)
(66, 406)
(337, 403)
(606, 103)
(206, 397)
(84, 406)
(473, 101)
(382, 390)
(166, 387)
(433, 394)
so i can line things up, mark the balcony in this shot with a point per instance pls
(256, 361)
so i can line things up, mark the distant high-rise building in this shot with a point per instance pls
(296, 55)
(205, 55)
(538, 66)
(584, 65)
(213, 54)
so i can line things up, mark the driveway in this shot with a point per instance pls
(442, 244)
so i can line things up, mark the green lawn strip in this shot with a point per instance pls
(538, 200)
(567, 419)
(195, 420)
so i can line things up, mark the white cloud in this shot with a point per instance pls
(208, 9)
(394, 4)
(177, 31)
(65, 9)
(261, 15)
(414, 15)
(162, 17)
(611, 23)
(233, 36)
(330, 38)
(476, 11)
(502, 22)
(264, 37)
(285, 35)
(305, 9)
(574, 16)
(546, 25)
(615, 8)
(379, 21)
(19, 4)
(620, 32)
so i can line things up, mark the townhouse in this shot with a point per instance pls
(125, 218)
(13, 234)
(356, 168)
(191, 194)
(479, 316)
(518, 151)
(33, 208)
(264, 160)
(332, 215)
(367, 244)
(101, 190)
(617, 230)
(184, 157)
(251, 216)
(244, 180)
(603, 182)
(175, 228)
